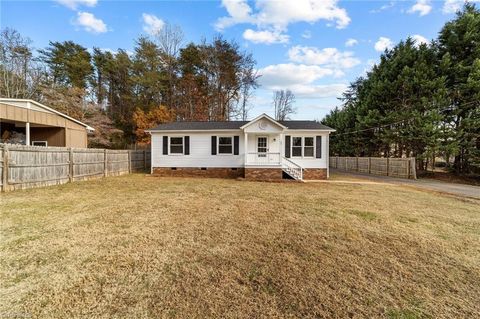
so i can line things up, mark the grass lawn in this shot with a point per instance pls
(144, 247)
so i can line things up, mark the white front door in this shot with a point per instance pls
(262, 146)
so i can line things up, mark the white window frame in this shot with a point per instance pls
(302, 147)
(183, 145)
(292, 146)
(313, 146)
(46, 143)
(267, 145)
(218, 144)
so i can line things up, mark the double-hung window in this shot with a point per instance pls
(308, 146)
(176, 145)
(303, 146)
(225, 145)
(297, 146)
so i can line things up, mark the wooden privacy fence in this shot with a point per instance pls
(395, 167)
(33, 166)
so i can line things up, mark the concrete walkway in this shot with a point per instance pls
(423, 183)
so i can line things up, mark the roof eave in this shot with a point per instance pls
(261, 116)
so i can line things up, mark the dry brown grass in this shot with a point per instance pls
(142, 247)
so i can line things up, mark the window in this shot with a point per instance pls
(39, 143)
(303, 146)
(225, 145)
(176, 145)
(296, 147)
(308, 148)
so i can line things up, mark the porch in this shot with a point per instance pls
(264, 151)
(263, 148)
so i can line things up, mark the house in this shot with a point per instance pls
(260, 149)
(32, 123)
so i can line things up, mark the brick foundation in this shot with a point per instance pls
(217, 172)
(263, 174)
(315, 173)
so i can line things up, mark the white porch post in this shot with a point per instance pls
(245, 151)
(281, 148)
(27, 125)
(328, 154)
(27, 133)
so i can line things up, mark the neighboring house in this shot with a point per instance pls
(260, 149)
(31, 123)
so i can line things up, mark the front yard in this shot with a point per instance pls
(143, 247)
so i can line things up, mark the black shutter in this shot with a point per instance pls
(214, 145)
(236, 141)
(165, 145)
(287, 146)
(318, 146)
(186, 140)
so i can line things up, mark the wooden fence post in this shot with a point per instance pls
(144, 160)
(70, 165)
(388, 166)
(357, 163)
(413, 167)
(129, 161)
(5, 169)
(369, 165)
(105, 167)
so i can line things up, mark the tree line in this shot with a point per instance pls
(420, 100)
(121, 93)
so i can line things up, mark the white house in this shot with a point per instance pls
(260, 149)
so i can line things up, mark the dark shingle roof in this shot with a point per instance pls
(233, 125)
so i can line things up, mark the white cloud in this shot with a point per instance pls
(351, 42)
(423, 7)
(329, 57)
(307, 34)
(275, 16)
(452, 6)
(152, 24)
(239, 12)
(267, 37)
(383, 43)
(384, 7)
(300, 79)
(285, 75)
(419, 39)
(319, 91)
(280, 13)
(90, 23)
(74, 4)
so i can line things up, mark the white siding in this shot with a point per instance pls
(200, 151)
(309, 162)
(273, 142)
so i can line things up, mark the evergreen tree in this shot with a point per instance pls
(69, 63)
(459, 49)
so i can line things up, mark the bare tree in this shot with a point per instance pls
(249, 77)
(169, 40)
(283, 102)
(20, 74)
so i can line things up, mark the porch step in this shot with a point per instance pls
(292, 169)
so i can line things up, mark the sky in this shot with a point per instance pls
(315, 48)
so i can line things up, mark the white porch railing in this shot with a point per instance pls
(263, 159)
(292, 169)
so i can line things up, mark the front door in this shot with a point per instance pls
(262, 146)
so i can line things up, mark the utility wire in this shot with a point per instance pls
(384, 125)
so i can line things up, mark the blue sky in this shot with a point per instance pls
(313, 47)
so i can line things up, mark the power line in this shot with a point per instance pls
(384, 125)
